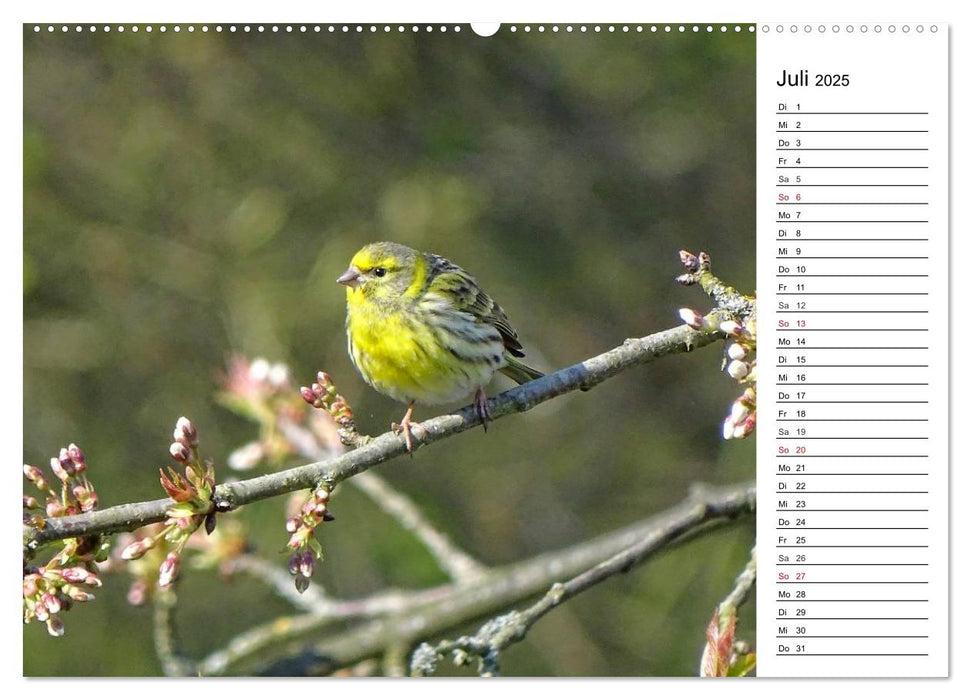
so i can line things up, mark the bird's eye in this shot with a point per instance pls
(380, 272)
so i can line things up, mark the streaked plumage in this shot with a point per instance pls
(420, 329)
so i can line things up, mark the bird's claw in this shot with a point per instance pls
(481, 405)
(405, 427)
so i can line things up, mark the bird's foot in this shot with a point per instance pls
(481, 404)
(405, 427)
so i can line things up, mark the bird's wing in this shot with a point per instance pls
(449, 281)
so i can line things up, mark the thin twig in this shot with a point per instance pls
(497, 634)
(447, 606)
(454, 561)
(166, 639)
(584, 375)
(743, 585)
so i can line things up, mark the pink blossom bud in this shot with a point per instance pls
(685, 280)
(52, 603)
(728, 428)
(168, 570)
(319, 391)
(691, 318)
(731, 328)
(185, 428)
(322, 495)
(55, 509)
(137, 549)
(294, 564)
(745, 428)
(55, 627)
(292, 524)
(59, 471)
(74, 574)
(30, 586)
(320, 509)
(179, 452)
(307, 564)
(40, 612)
(740, 409)
(75, 593)
(75, 453)
(737, 351)
(65, 459)
(308, 395)
(737, 369)
(30, 502)
(36, 476)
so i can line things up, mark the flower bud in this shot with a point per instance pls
(292, 524)
(745, 428)
(55, 509)
(308, 395)
(740, 409)
(52, 603)
(59, 471)
(294, 564)
(185, 429)
(737, 370)
(36, 476)
(168, 570)
(138, 548)
(55, 627)
(691, 317)
(75, 593)
(728, 428)
(731, 328)
(179, 452)
(30, 502)
(75, 453)
(307, 564)
(737, 351)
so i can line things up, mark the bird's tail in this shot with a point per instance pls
(519, 372)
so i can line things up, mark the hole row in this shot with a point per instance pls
(849, 29)
(387, 28)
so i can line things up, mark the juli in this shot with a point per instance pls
(799, 80)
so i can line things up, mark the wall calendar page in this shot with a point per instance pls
(388, 348)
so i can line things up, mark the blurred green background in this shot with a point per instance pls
(187, 196)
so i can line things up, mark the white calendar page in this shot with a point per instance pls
(852, 198)
(852, 246)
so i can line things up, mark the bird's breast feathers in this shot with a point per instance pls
(404, 359)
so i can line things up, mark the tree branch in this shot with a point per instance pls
(418, 615)
(584, 375)
(497, 634)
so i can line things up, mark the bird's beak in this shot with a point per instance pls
(352, 278)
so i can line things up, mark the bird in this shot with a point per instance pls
(421, 330)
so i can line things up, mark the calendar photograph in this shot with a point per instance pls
(367, 350)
